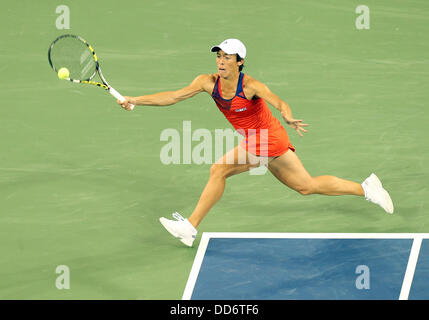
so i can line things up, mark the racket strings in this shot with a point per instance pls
(73, 54)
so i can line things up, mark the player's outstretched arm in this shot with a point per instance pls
(168, 98)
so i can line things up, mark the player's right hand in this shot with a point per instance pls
(126, 104)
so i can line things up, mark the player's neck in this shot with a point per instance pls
(230, 81)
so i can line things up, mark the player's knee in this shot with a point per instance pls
(223, 170)
(218, 170)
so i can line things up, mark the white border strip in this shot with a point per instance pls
(281, 235)
(409, 274)
(187, 294)
(411, 268)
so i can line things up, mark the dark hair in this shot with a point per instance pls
(238, 60)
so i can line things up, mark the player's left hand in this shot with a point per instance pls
(297, 125)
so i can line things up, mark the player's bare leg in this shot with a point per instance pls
(289, 170)
(233, 162)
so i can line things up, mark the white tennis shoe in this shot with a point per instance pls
(180, 228)
(375, 193)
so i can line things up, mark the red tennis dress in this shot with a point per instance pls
(263, 133)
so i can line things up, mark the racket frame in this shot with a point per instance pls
(104, 84)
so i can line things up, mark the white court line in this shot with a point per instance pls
(281, 235)
(199, 257)
(411, 268)
(187, 294)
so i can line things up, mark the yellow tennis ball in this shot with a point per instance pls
(63, 73)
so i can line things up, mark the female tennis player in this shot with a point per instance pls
(242, 99)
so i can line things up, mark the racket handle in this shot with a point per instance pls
(119, 96)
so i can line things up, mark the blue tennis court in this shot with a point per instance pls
(277, 266)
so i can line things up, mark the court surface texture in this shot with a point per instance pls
(82, 184)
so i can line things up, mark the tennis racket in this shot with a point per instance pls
(74, 53)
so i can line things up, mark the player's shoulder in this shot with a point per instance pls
(206, 77)
(205, 81)
(251, 82)
(254, 88)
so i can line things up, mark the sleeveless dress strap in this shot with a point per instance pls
(240, 92)
(215, 92)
